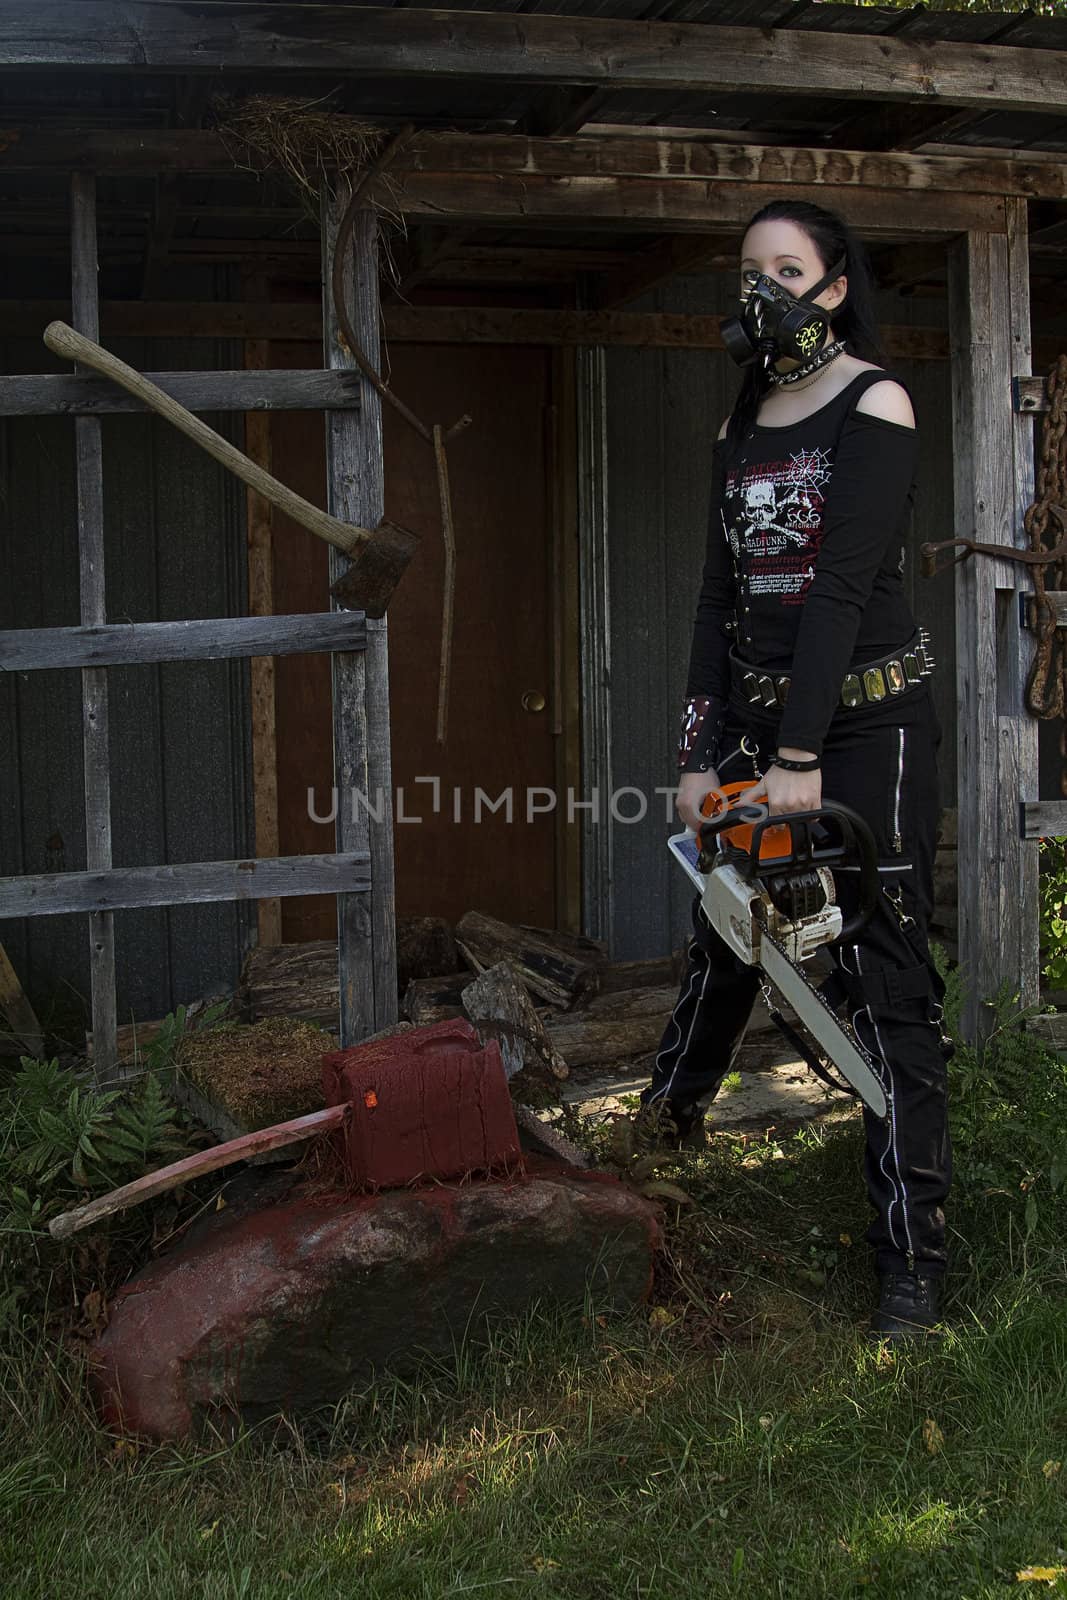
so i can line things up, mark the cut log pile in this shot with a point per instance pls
(551, 999)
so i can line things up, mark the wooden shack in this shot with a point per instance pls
(547, 247)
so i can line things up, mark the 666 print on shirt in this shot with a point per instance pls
(774, 522)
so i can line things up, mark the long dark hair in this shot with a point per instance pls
(855, 322)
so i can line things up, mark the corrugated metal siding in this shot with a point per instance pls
(664, 411)
(179, 733)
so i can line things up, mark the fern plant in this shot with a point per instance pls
(61, 1138)
(142, 1132)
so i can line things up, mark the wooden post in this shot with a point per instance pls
(366, 925)
(261, 603)
(996, 739)
(16, 1009)
(95, 742)
(1018, 729)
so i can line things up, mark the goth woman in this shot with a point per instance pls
(807, 677)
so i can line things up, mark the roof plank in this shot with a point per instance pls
(592, 155)
(249, 37)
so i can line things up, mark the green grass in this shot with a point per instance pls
(739, 1439)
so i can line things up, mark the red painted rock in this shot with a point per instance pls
(283, 1309)
(427, 1103)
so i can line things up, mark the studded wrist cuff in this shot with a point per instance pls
(702, 725)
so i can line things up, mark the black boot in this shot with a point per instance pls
(670, 1126)
(908, 1307)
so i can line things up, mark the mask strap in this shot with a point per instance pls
(825, 281)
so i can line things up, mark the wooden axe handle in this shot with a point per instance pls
(345, 536)
(179, 1172)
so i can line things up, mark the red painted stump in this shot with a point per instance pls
(429, 1103)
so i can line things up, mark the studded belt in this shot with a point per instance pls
(867, 685)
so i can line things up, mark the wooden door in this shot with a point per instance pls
(448, 862)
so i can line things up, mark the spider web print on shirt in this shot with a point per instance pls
(775, 525)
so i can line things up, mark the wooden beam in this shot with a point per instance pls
(996, 739)
(259, 525)
(474, 325)
(560, 111)
(688, 161)
(655, 204)
(426, 247)
(125, 644)
(169, 319)
(191, 100)
(1044, 819)
(1033, 613)
(355, 480)
(17, 1011)
(188, 883)
(96, 759)
(252, 40)
(1029, 395)
(686, 252)
(1017, 728)
(44, 394)
(593, 155)
(155, 151)
(903, 265)
(895, 127)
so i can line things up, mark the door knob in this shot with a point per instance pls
(533, 700)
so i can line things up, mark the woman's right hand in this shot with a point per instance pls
(692, 787)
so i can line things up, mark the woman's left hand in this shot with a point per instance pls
(786, 791)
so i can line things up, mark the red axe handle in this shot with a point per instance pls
(179, 1172)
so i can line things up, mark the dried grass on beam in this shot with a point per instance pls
(306, 142)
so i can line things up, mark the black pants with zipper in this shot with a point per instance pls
(887, 772)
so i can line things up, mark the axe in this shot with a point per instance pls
(379, 558)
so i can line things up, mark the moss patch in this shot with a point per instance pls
(259, 1075)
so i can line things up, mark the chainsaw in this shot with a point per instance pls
(767, 888)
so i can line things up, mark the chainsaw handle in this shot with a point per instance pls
(861, 837)
(855, 834)
(732, 817)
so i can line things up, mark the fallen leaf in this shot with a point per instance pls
(1040, 1574)
(123, 1447)
(461, 1488)
(220, 1203)
(766, 1423)
(661, 1189)
(660, 1317)
(845, 1239)
(1051, 1469)
(543, 1564)
(94, 1310)
(206, 1533)
(933, 1438)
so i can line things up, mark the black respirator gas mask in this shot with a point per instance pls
(778, 325)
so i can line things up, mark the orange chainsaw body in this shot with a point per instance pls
(776, 843)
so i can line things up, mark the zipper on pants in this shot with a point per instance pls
(898, 842)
